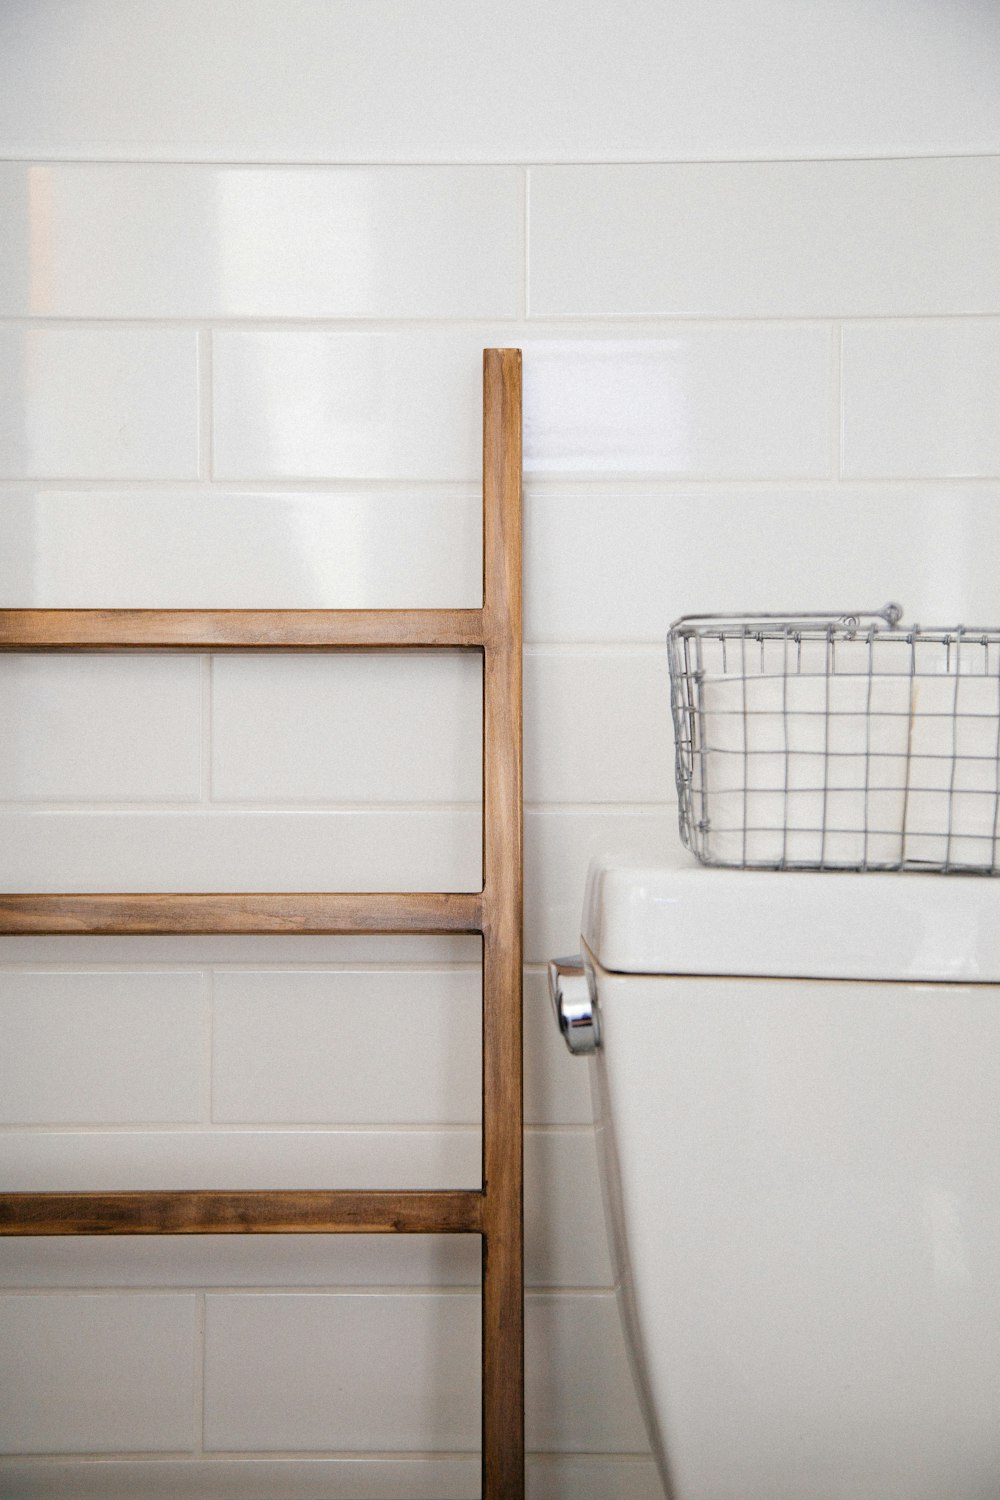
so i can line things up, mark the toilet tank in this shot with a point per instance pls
(798, 1098)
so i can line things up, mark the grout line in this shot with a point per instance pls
(546, 1457)
(258, 163)
(401, 1290)
(335, 485)
(488, 326)
(304, 966)
(198, 1130)
(277, 809)
(567, 483)
(215, 1130)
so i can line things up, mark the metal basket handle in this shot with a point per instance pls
(889, 615)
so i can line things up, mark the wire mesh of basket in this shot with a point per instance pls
(847, 742)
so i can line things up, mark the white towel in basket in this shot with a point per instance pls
(849, 769)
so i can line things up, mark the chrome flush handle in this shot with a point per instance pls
(574, 1004)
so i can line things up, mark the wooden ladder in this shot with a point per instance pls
(494, 1210)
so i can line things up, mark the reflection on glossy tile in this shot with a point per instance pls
(82, 1374)
(333, 1371)
(226, 851)
(352, 1048)
(108, 1047)
(100, 728)
(134, 241)
(751, 400)
(96, 403)
(697, 401)
(289, 727)
(171, 550)
(120, 1161)
(772, 239)
(920, 399)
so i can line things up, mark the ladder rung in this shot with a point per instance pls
(239, 912)
(263, 1212)
(236, 629)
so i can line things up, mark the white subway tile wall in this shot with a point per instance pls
(920, 399)
(86, 1374)
(91, 403)
(766, 239)
(241, 323)
(241, 242)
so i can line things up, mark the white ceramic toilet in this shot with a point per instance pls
(797, 1084)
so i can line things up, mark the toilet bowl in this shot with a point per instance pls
(796, 1080)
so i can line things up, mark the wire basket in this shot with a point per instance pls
(836, 743)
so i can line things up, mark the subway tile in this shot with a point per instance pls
(111, 1047)
(618, 567)
(269, 1355)
(342, 1371)
(767, 239)
(368, 1478)
(144, 241)
(289, 728)
(706, 401)
(439, 83)
(601, 564)
(293, 404)
(86, 1374)
(96, 403)
(236, 1260)
(171, 550)
(283, 1371)
(564, 1237)
(579, 1396)
(556, 1087)
(100, 728)
(596, 726)
(385, 1048)
(558, 847)
(919, 399)
(209, 850)
(124, 1160)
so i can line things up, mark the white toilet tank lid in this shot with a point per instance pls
(684, 918)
